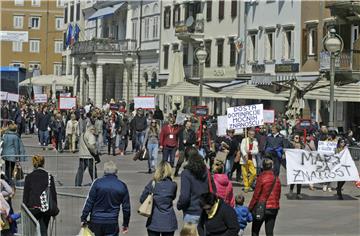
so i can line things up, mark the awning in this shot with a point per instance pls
(185, 89)
(106, 11)
(247, 91)
(49, 80)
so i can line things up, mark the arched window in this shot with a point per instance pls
(153, 76)
(147, 10)
(155, 8)
(135, 12)
(146, 77)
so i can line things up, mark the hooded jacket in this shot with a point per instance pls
(224, 189)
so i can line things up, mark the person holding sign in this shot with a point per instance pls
(341, 145)
(296, 144)
(249, 149)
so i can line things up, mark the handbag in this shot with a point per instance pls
(146, 207)
(47, 203)
(85, 231)
(18, 173)
(260, 207)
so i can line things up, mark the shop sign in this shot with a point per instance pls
(287, 68)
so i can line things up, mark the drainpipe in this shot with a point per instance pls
(138, 51)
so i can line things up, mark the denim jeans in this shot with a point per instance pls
(169, 155)
(153, 149)
(228, 165)
(44, 137)
(191, 219)
(259, 163)
(139, 140)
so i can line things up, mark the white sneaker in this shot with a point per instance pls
(324, 188)
(329, 189)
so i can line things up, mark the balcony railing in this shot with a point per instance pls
(104, 46)
(347, 60)
(192, 71)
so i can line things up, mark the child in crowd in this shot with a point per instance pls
(189, 229)
(243, 214)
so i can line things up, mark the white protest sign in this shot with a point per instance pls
(245, 116)
(269, 116)
(13, 97)
(65, 94)
(40, 98)
(67, 103)
(3, 95)
(326, 147)
(222, 126)
(180, 118)
(144, 102)
(303, 167)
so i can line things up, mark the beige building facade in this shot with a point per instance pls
(43, 20)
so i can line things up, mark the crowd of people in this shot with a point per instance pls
(204, 161)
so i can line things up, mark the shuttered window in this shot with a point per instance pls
(233, 8)
(221, 9)
(208, 10)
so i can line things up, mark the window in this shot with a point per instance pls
(146, 28)
(60, 3)
(312, 49)
(34, 46)
(185, 54)
(220, 52)
(288, 44)
(269, 46)
(59, 23)
(155, 27)
(233, 8)
(166, 57)
(208, 10)
(58, 46)
(221, 9)
(252, 47)
(35, 3)
(192, 9)
(34, 22)
(34, 65)
(208, 49)
(134, 29)
(65, 15)
(176, 15)
(57, 69)
(78, 11)
(232, 52)
(19, 2)
(17, 46)
(167, 16)
(18, 22)
(71, 13)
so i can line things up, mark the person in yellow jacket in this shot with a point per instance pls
(249, 148)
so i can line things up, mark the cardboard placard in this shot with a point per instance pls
(245, 116)
(40, 98)
(144, 102)
(269, 116)
(3, 95)
(67, 103)
(13, 97)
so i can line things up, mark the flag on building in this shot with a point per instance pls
(75, 34)
(69, 35)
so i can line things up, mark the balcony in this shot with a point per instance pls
(104, 46)
(348, 60)
(192, 71)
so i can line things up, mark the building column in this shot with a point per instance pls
(118, 80)
(99, 85)
(82, 79)
(91, 75)
(317, 110)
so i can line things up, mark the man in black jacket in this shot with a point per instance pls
(139, 125)
(43, 123)
(187, 138)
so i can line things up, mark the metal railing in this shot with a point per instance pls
(103, 46)
(29, 224)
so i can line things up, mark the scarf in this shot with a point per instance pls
(213, 210)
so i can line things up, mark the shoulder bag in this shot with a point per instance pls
(260, 207)
(146, 207)
(47, 202)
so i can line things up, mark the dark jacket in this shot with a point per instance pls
(58, 127)
(35, 183)
(275, 141)
(104, 200)
(158, 115)
(163, 218)
(243, 216)
(224, 222)
(262, 188)
(190, 141)
(139, 123)
(191, 189)
(43, 121)
(12, 145)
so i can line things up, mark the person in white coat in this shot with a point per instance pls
(249, 149)
(72, 132)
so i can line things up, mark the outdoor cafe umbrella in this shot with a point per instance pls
(49, 80)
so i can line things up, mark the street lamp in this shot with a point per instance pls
(333, 44)
(201, 55)
(128, 63)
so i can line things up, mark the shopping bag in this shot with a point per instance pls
(85, 231)
(18, 173)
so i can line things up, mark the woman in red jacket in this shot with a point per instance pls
(263, 188)
(224, 188)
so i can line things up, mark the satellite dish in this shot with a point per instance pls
(189, 21)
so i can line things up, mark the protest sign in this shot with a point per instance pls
(40, 98)
(245, 116)
(222, 126)
(305, 167)
(13, 97)
(67, 103)
(145, 102)
(65, 94)
(180, 118)
(3, 95)
(269, 116)
(326, 147)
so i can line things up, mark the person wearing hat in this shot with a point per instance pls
(12, 145)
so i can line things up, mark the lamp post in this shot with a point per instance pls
(333, 44)
(128, 63)
(201, 55)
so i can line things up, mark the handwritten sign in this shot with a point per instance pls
(305, 167)
(67, 103)
(180, 118)
(3, 95)
(326, 147)
(269, 116)
(40, 98)
(245, 116)
(144, 102)
(13, 97)
(222, 126)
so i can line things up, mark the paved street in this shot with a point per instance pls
(318, 213)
